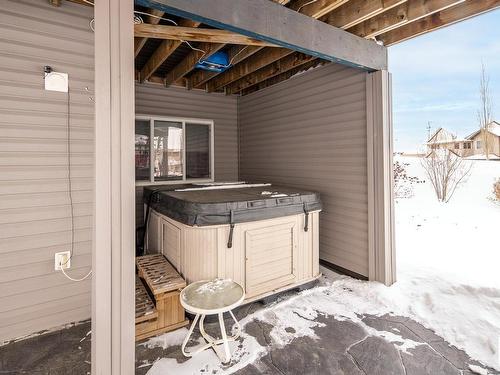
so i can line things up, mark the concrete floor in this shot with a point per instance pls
(341, 347)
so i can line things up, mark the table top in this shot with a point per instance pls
(212, 297)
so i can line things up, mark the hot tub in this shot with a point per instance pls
(263, 236)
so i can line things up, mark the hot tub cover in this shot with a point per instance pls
(226, 206)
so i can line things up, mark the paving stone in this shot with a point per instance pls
(456, 356)
(425, 334)
(375, 356)
(422, 360)
(384, 324)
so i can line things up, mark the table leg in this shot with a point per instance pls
(225, 341)
(186, 340)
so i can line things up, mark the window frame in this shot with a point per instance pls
(183, 121)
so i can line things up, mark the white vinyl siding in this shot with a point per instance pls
(310, 132)
(34, 202)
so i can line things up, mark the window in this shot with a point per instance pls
(467, 145)
(457, 146)
(173, 149)
(478, 145)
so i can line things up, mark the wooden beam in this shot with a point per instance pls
(140, 42)
(236, 55)
(281, 26)
(230, 76)
(281, 66)
(358, 8)
(318, 8)
(250, 65)
(356, 11)
(162, 53)
(460, 12)
(196, 35)
(410, 11)
(282, 76)
(186, 65)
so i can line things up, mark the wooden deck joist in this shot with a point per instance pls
(163, 52)
(283, 65)
(192, 34)
(255, 65)
(318, 8)
(356, 11)
(236, 54)
(187, 65)
(140, 42)
(407, 12)
(446, 17)
(281, 26)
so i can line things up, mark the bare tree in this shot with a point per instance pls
(484, 113)
(446, 171)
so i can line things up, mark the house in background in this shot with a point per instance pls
(491, 140)
(472, 146)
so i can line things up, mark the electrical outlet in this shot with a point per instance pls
(62, 260)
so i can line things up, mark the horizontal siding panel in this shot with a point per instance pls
(44, 269)
(51, 321)
(41, 254)
(310, 132)
(19, 187)
(76, 301)
(35, 212)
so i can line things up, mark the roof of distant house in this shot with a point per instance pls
(493, 128)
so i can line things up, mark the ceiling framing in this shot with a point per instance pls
(166, 51)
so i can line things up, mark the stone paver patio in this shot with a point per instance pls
(340, 347)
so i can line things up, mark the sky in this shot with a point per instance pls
(436, 78)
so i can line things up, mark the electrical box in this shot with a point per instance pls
(62, 260)
(55, 81)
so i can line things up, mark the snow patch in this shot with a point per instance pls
(478, 370)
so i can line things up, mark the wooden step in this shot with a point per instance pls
(144, 306)
(160, 276)
(161, 279)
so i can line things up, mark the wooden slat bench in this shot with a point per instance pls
(165, 284)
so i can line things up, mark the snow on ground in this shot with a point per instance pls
(448, 258)
(448, 280)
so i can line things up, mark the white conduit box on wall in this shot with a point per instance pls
(55, 81)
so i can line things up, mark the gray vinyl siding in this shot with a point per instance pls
(34, 201)
(151, 99)
(310, 132)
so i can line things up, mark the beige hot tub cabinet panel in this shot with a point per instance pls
(267, 256)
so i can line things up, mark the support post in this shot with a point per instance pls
(113, 246)
(382, 260)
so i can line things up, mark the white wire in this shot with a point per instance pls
(77, 280)
(92, 21)
(306, 4)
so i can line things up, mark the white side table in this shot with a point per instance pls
(209, 298)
